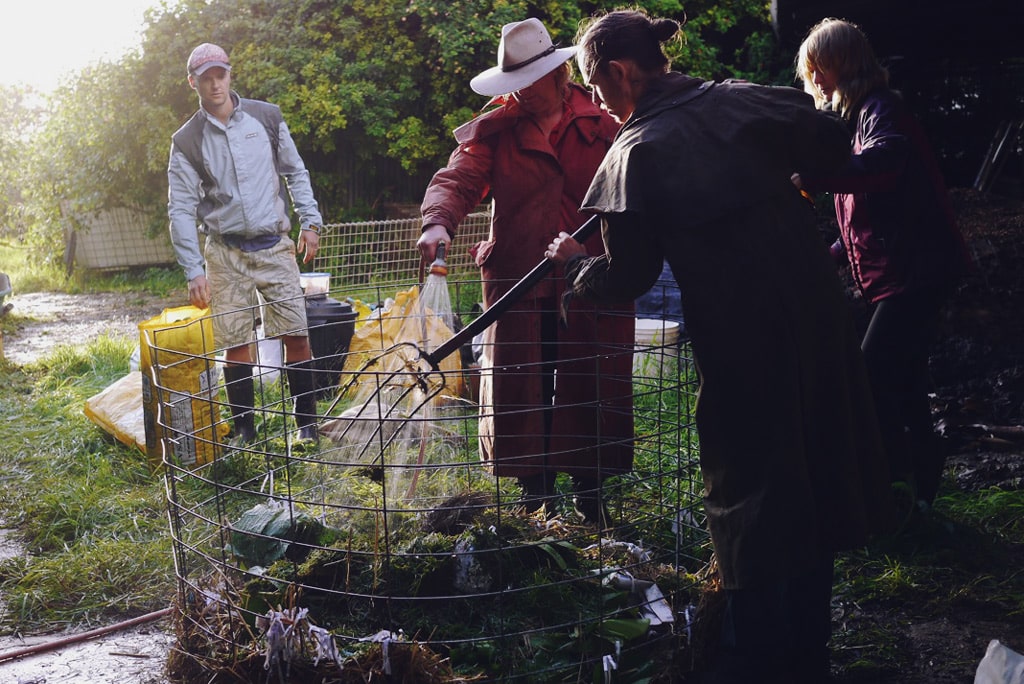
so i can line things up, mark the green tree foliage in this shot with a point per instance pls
(17, 118)
(722, 40)
(371, 89)
(103, 147)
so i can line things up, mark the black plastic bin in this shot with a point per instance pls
(331, 324)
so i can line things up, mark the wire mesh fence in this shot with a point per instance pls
(390, 547)
(115, 239)
(366, 254)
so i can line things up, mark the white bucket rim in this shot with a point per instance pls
(649, 327)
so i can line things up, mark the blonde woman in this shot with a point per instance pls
(898, 235)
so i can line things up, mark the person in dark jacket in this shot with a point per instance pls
(553, 398)
(897, 233)
(789, 446)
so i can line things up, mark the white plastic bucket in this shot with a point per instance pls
(656, 350)
(268, 358)
(315, 284)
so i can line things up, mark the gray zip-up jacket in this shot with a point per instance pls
(244, 199)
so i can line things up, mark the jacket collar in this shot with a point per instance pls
(667, 92)
(508, 113)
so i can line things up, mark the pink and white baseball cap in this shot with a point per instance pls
(207, 56)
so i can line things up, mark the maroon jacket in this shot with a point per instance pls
(896, 222)
(537, 183)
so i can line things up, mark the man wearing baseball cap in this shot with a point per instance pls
(231, 169)
(534, 154)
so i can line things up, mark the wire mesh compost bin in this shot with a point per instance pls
(387, 551)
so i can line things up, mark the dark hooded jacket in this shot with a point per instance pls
(789, 446)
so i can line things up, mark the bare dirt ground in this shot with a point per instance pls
(132, 656)
(978, 368)
(54, 318)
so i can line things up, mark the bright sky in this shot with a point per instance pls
(42, 41)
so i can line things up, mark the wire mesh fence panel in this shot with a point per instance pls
(116, 239)
(365, 254)
(390, 546)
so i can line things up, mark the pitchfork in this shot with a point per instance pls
(417, 373)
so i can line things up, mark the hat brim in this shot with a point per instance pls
(494, 81)
(199, 71)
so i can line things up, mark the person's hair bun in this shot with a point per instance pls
(664, 29)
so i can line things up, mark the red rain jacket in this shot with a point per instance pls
(536, 184)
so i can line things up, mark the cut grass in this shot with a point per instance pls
(89, 514)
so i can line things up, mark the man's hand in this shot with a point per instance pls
(309, 243)
(563, 248)
(199, 292)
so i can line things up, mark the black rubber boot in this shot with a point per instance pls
(241, 397)
(538, 490)
(302, 386)
(589, 504)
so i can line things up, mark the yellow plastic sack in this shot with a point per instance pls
(118, 411)
(363, 311)
(401, 330)
(179, 386)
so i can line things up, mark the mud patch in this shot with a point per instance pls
(133, 656)
(45, 321)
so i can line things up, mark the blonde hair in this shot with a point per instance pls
(841, 49)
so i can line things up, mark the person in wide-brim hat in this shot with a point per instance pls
(534, 151)
(525, 55)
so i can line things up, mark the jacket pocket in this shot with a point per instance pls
(482, 251)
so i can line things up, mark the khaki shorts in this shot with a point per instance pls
(235, 279)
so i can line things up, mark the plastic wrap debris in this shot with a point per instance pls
(118, 410)
(653, 605)
(326, 648)
(641, 554)
(1001, 665)
(609, 665)
(385, 637)
(283, 640)
(470, 576)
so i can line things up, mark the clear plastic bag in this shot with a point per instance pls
(1001, 665)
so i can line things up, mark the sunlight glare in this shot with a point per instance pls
(43, 42)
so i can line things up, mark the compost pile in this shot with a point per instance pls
(978, 369)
